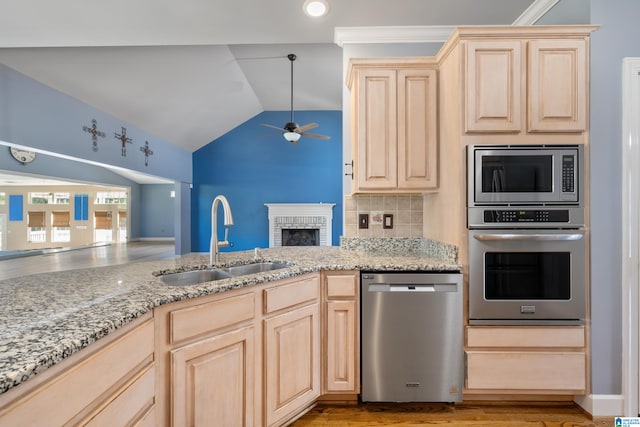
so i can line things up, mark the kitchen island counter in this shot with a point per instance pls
(47, 317)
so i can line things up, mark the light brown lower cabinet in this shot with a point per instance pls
(526, 360)
(110, 383)
(341, 335)
(207, 360)
(291, 348)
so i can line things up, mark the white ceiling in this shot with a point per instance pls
(190, 71)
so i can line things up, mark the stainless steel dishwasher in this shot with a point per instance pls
(411, 337)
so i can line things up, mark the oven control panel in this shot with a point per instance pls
(526, 215)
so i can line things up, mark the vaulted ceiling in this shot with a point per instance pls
(192, 70)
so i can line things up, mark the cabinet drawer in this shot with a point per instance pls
(296, 292)
(190, 322)
(131, 405)
(528, 371)
(525, 336)
(341, 285)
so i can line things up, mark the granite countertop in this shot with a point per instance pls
(47, 317)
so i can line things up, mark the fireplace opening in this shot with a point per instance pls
(300, 237)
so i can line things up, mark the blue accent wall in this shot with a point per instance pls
(253, 165)
(157, 209)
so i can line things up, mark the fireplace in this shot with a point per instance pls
(300, 237)
(300, 224)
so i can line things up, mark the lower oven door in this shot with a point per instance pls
(518, 276)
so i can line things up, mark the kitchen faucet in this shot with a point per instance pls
(215, 245)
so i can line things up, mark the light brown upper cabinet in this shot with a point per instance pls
(526, 85)
(394, 125)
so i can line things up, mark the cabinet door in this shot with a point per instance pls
(494, 86)
(557, 86)
(341, 352)
(292, 362)
(417, 129)
(212, 381)
(376, 157)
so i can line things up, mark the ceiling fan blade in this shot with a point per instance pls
(315, 135)
(307, 127)
(273, 127)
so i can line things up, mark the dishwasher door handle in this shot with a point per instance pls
(418, 287)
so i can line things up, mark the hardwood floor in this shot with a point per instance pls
(85, 257)
(450, 415)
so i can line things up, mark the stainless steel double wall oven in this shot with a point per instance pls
(527, 241)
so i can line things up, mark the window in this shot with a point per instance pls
(36, 228)
(60, 226)
(49, 198)
(122, 226)
(102, 226)
(111, 198)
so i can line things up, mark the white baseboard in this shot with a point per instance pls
(601, 405)
(154, 239)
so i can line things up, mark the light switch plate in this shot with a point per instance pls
(387, 221)
(363, 221)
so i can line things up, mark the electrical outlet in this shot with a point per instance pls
(363, 221)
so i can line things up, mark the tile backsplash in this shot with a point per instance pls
(406, 211)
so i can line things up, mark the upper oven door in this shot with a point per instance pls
(527, 275)
(500, 175)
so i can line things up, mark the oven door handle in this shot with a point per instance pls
(528, 237)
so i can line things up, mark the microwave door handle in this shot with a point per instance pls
(528, 237)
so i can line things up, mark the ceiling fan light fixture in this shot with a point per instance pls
(291, 136)
(316, 8)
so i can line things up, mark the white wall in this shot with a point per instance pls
(618, 36)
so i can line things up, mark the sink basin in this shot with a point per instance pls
(193, 277)
(256, 267)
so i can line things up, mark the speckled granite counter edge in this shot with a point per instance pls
(30, 349)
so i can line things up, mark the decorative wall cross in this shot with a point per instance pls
(147, 152)
(124, 139)
(95, 133)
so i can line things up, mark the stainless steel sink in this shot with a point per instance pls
(200, 276)
(256, 267)
(192, 277)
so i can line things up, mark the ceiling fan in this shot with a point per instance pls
(291, 131)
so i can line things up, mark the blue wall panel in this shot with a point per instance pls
(15, 207)
(81, 207)
(253, 165)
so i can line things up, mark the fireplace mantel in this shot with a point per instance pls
(300, 215)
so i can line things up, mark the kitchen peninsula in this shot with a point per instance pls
(50, 320)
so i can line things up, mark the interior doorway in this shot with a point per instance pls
(630, 235)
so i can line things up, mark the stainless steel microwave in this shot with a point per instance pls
(525, 175)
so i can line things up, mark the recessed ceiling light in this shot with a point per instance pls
(316, 8)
